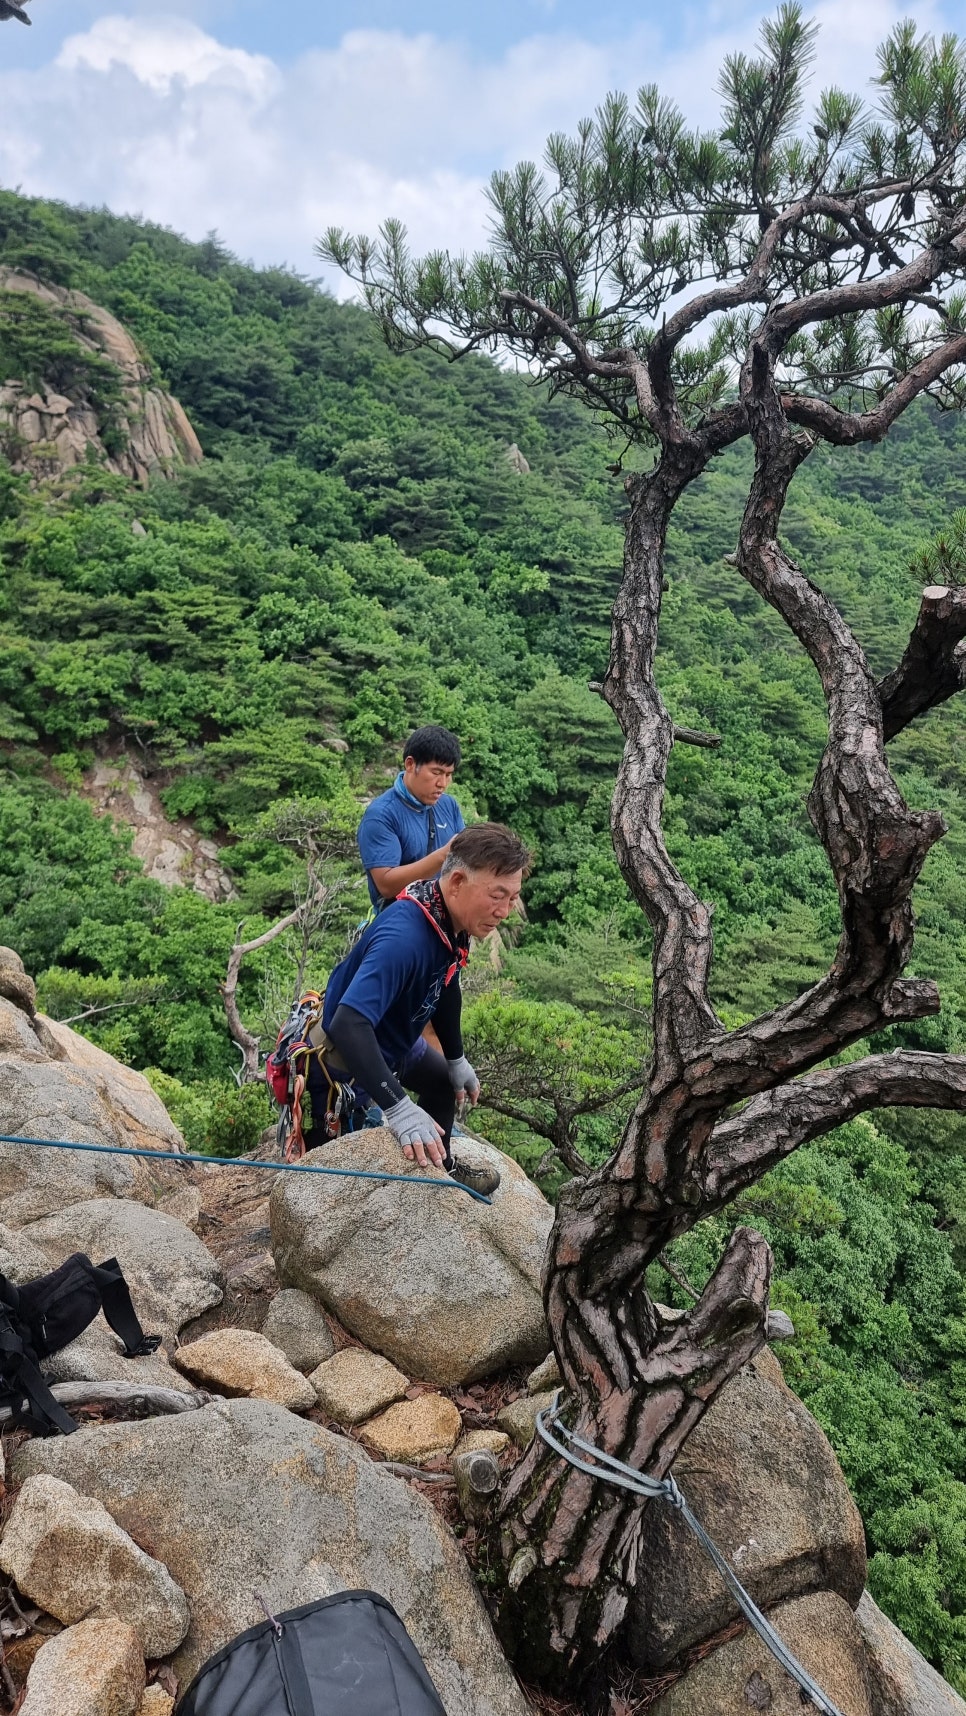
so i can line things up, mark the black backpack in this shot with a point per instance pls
(43, 1315)
(347, 1655)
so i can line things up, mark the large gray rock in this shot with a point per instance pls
(97, 1355)
(20, 1259)
(18, 1035)
(742, 1677)
(243, 1497)
(446, 1287)
(902, 1681)
(68, 1555)
(172, 1275)
(55, 1084)
(763, 1480)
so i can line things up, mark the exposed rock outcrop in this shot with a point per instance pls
(444, 1286)
(903, 1684)
(55, 1084)
(240, 1362)
(742, 1676)
(293, 1512)
(297, 1325)
(354, 1385)
(172, 1275)
(46, 432)
(242, 1496)
(763, 1480)
(171, 852)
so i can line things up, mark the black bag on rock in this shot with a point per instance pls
(45, 1314)
(347, 1655)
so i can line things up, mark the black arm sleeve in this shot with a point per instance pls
(446, 1020)
(355, 1043)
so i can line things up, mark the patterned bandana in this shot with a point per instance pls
(428, 896)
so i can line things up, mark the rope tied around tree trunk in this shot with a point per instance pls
(610, 1470)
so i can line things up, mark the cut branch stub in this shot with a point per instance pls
(933, 667)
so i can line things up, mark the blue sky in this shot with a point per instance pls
(269, 122)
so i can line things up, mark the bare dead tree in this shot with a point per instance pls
(309, 832)
(817, 272)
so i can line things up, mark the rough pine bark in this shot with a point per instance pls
(636, 1380)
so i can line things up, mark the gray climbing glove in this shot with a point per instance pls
(462, 1077)
(415, 1129)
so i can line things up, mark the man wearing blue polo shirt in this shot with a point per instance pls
(405, 833)
(402, 975)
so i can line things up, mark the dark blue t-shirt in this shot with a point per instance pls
(394, 977)
(395, 829)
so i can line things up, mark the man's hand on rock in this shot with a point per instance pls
(421, 1138)
(464, 1080)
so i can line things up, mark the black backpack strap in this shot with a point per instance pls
(119, 1309)
(431, 831)
(26, 1379)
(298, 1693)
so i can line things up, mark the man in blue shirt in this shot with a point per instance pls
(405, 833)
(403, 974)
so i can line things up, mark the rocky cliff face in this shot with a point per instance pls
(171, 852)
(125, 424)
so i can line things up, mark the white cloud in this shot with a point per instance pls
(153, 114)
(160, 52)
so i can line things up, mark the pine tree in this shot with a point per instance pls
(796, 282)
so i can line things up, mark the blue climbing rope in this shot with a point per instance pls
(445, 1185)
(612, 1471)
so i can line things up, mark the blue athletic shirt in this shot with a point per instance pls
(394, 977)
(395, 829)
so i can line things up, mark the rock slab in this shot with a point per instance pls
(903, 1682)
(172, 1276)
(444, 1286)
(93, 1669)
(242, 1496)
(415, 1429)
(69, 1557)
(298, 1325)
(241, 1362)
(354, 1385)
(742, 1677)
(762, 1478)
(519, 1419)
(55, 1084)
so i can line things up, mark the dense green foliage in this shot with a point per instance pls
(357, 555)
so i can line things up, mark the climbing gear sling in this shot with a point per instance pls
(301, 1039)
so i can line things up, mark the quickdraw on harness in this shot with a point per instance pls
(286, 1073)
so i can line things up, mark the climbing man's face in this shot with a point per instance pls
(427, 781)
(479, 900)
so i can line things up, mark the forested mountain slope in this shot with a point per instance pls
(357, 554)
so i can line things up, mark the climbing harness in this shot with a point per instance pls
(608, 1470)
(303, 1039)
(447, 1183)
(286, 1074)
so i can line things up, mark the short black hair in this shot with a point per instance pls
(433, 745)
